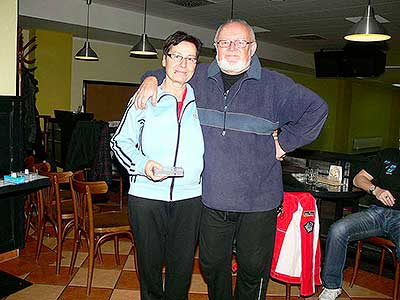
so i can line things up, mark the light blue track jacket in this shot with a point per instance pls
(157, 134)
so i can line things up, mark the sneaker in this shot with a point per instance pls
(329, 294)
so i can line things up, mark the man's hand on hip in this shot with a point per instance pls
(280, 153)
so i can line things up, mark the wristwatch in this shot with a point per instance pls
(371, 189)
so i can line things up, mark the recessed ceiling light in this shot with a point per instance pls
(307, 37)
(257, 29)
(379, 18)
(191, 3)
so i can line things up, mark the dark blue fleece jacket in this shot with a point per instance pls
(241, 172)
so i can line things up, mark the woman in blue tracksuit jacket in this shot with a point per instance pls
(164, 212)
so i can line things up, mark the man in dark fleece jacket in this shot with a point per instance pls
(240, 104)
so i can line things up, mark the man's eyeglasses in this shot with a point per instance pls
(178, 58)
(238, 43)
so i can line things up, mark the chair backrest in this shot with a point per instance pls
(381, 241)
(46, 198)
(62, 177)
(386, 244)
(82, 192)
(41, 167)
(29, 161)
(56, 178)
(80, 175)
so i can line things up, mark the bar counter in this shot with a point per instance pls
(12, 221)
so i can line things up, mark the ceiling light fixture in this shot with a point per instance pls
(144, 48)
(368, 29)
(87, 53)
(393, 67)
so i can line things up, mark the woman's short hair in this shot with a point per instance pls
(178, 37)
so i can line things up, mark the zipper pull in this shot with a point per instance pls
(224, 129)
(225, 109)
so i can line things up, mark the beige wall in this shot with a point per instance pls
(8, 48)
(114, 65)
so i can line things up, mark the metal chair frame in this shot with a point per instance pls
(386, 245)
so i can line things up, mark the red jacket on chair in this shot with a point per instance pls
(297, 256)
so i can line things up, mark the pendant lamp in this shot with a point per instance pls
(368, 29)
(87, 53)
(144, 48)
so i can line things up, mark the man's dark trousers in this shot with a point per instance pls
(255, 237)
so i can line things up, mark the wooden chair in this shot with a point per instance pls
(386, 245)
(43, 166)
(45, 131)
(29, 161)
(31, 203)
(30, 206)
(118, 178)
(59, 212)
(97, 228)
(107, 202)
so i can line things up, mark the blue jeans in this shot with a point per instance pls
(374, 221)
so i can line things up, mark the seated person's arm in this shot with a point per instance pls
(363, 180)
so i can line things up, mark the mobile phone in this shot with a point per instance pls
(169, 172)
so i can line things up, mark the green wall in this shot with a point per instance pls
(53, 61)
(328, 90)
(357, 109)
(370, 112)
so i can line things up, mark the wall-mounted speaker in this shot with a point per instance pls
(353, 61)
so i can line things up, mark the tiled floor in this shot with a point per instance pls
(112, 282)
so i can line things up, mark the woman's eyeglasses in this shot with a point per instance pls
(179, 58)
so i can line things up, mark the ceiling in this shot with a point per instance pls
(283, 19)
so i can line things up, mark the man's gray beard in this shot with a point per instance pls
(237, 68)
